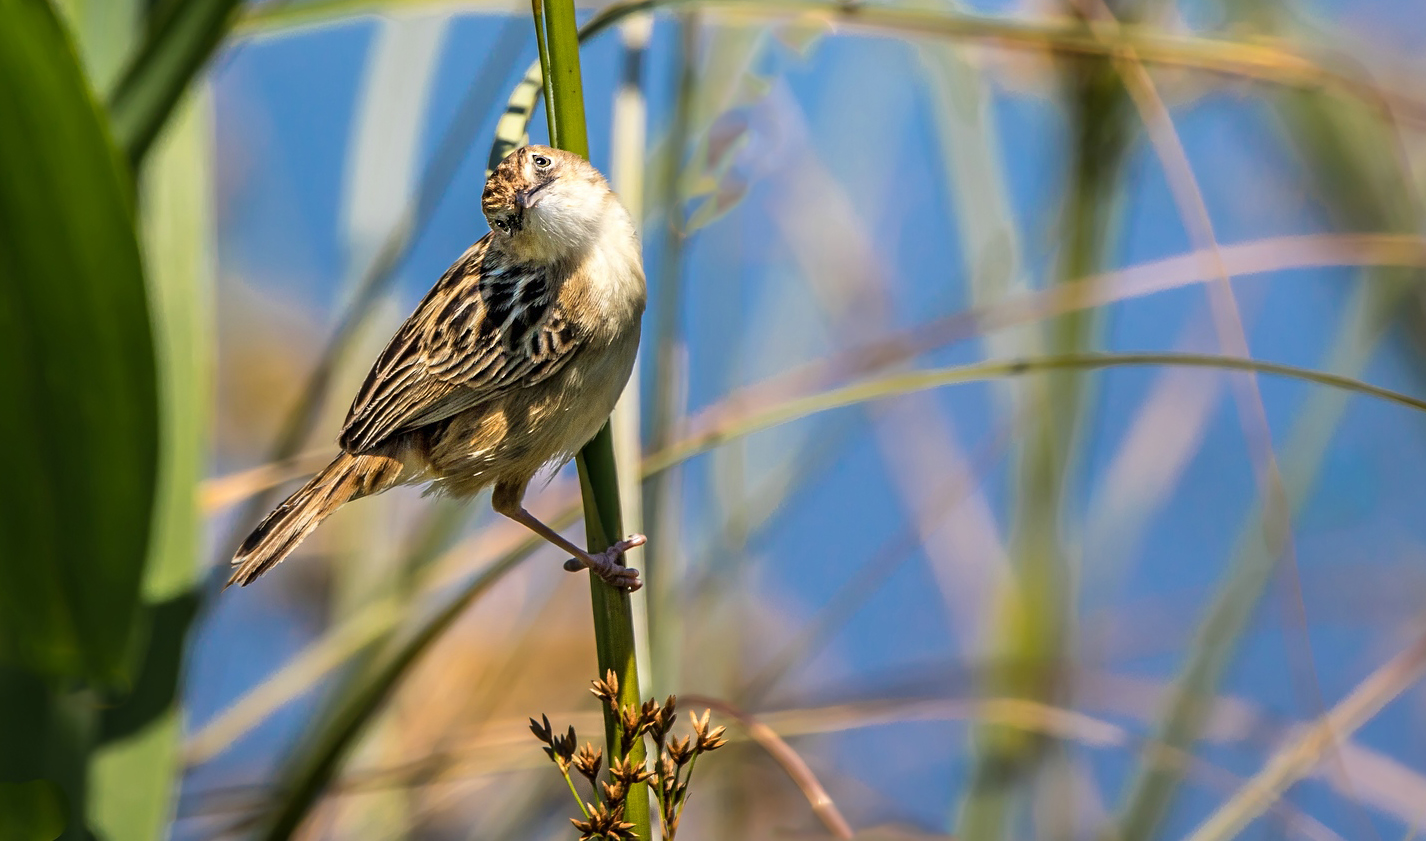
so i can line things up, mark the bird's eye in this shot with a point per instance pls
(541, 161)
(502, 225)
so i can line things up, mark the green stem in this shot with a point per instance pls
(572, 790)
(598, 477)
(541, 44)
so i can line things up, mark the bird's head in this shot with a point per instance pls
(544, 204)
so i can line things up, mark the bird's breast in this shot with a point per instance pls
(606, 292)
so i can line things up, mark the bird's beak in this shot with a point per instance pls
(527, 199)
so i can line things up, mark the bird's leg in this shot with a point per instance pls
(607, 565)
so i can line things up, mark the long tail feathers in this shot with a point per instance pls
(345, 479)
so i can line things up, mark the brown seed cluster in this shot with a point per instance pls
(674, 758)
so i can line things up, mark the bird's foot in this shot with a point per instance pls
(609, 565)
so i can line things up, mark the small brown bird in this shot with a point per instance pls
(508, 366)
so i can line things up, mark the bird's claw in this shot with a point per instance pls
(609, 566)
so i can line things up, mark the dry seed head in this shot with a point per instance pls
(668, 714)
(614, 792)
(631, 719)
(588, 761)
(649, 714)
(681, 750)
(607, 689)
(629, 728)
(604, 822)
(628, 772)
(561, 748)
(712, 741)
(707, 740)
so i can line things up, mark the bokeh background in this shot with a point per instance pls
(963, 515)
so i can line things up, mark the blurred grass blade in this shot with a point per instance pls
(134, 773)
(1349, 155)
(1305, 750)
(1274, 61)
(792, 763)
(373, 623)
(665, 561)
(381, 182)
(1036, 609)
(382, 172)
(175, 49)
(135, 769)
(1154, 787)
(314, 763)
(767, 416)
(299, 674)
(978, 183)
(76, 366)
(628, 142)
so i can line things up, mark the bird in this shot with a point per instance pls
(509, 365)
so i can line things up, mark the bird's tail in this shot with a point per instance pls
(347, 478)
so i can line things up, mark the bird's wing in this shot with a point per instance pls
(485, 327)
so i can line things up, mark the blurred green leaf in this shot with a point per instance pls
(31, 811)
(179, 234)
(105, 31)
(76, 366)
(134, 772)
(181, 37)
(51, 743)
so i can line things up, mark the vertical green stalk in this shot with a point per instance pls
(1036, 616)
(598, 477)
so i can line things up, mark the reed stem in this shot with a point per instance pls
(598, 477)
